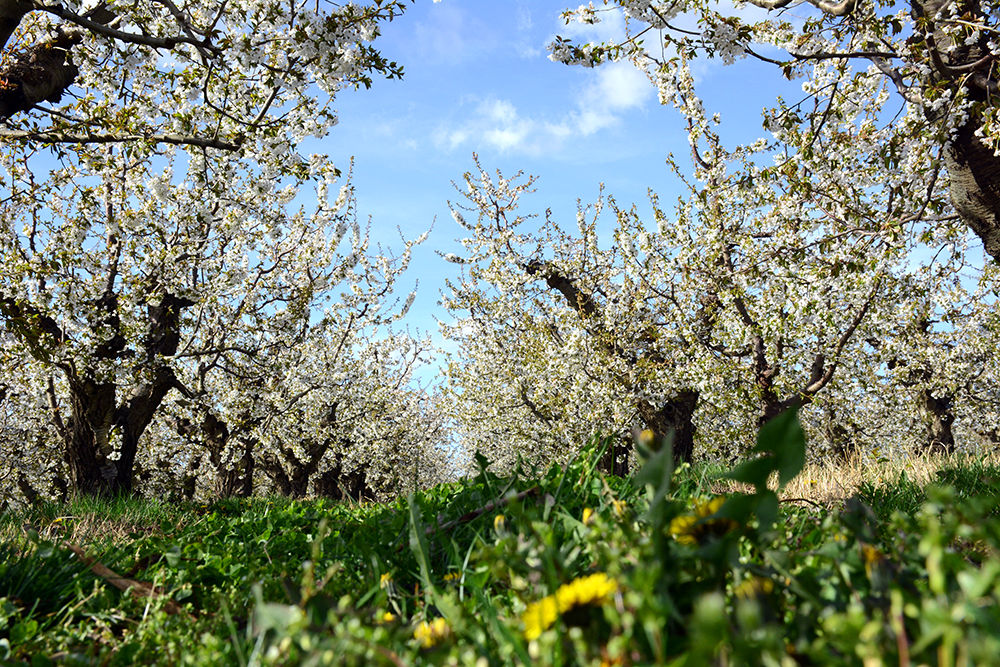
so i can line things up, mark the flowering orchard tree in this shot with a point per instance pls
(762, 287)
(310, 372)
(149, 195)
(334, 418)
(31, 463)
(343, 421)
(940, 350)
(253, 76)
(938, 57)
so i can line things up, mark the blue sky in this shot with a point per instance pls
(478, 79)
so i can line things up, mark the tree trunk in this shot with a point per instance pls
(276, 472)
(133, 418)
(27, 490)
(336, 485)
(87, 438)
(843, 444)
(94, 412)
(938, 415)
(676, 417)
(293, 480)
(973, 169)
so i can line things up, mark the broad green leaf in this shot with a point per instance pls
(783, 436)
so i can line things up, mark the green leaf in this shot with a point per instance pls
(418, 543)
(783, 436)
(173, 555)
(656, 476)
(767, 509)
(782, 444)
(754, 472)
(23, 631)
(278, 617)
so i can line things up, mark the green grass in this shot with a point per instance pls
(971, 479)
(900, 573)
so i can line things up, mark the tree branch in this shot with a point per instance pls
(11, 13)
(57, 137)
(122, 36)
(842, 8)
(582, 302)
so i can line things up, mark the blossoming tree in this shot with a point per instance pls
(929, 67)
(785, 259)
(150, 196)
(938, 57)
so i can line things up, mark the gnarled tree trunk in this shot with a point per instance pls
(337, 485)
(675, 417)
(973, 168)
(938, 415)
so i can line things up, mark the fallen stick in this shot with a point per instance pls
(137, 589)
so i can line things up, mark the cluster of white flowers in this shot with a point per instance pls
(725, 42)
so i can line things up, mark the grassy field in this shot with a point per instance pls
(896, 563)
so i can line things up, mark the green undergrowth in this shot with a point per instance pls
(971, 479)
(565, 567)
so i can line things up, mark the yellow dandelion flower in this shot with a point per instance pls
(453, 576)
(872, 557)
(539, 616)
(754, 587)
(588, 514)
(499, 523)
(682, 528)
(709, 507)
(387, 617)
(690, 529)
(431, 634)
(385, 580)
(620, 508)
(594, 589)
(647, 438)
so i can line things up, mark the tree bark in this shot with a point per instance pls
(843, 444)
(88, 437)
(237, 480)
(973, 169)
(337, 485)
(41, 73)
(676, 417)
(94, 410)
(292, 474)
(939, 415)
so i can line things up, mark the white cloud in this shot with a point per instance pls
(618, 88)
(495, 123)
(613, 90)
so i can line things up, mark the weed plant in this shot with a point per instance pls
(566, 566)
